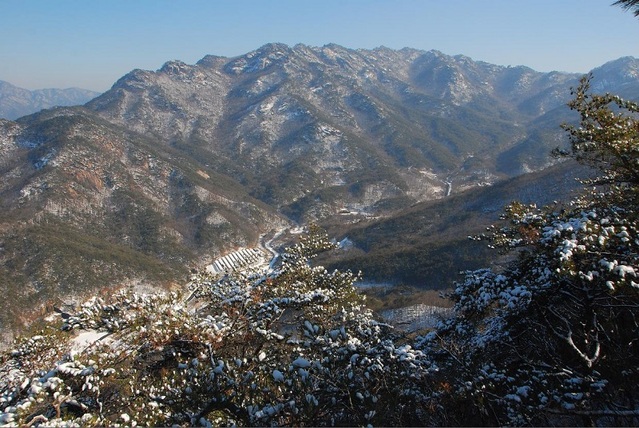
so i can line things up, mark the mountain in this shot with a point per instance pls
(618, 76)
(16, 102)
(311, 129)
(172, 168)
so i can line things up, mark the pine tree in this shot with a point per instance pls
(294, 347)
(632, 5)
(554, 338)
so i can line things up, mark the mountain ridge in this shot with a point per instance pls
(270, 87)
(282, 95)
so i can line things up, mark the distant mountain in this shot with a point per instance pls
(170, 169)
(618, 76)
(16, 102)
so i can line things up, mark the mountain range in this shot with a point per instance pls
(172, 168)
(16, 102)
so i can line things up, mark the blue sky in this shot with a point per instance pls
(91, 43)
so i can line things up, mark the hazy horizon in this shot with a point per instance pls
(73, 43)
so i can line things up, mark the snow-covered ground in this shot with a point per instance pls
(416, 317)
(86, 339)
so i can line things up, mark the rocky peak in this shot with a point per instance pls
(260, 59)
(135, 80)
(258, 115)
(175, 67)
(212, 61)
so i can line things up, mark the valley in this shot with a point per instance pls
(405, 153)
(391, 303)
